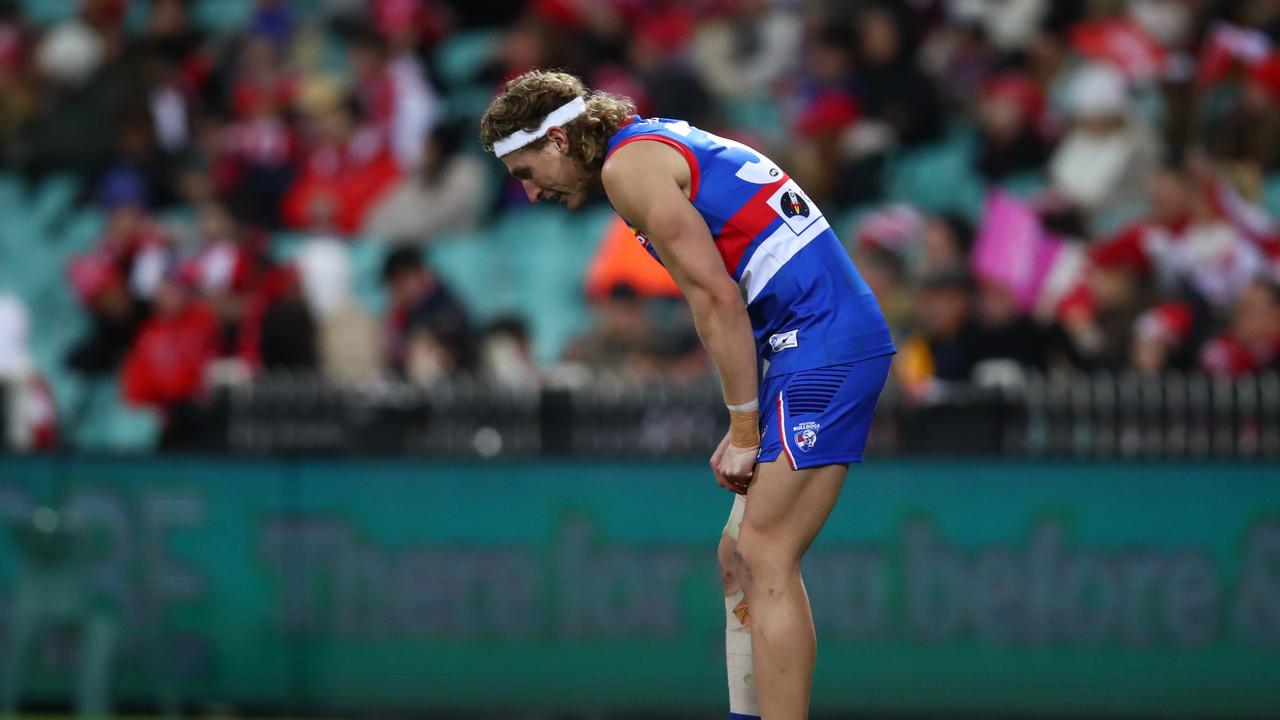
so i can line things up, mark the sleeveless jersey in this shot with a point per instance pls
(808, 305)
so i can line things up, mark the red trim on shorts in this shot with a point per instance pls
(695, 170)
(782, 433)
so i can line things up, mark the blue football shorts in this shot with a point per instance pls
(821, 416)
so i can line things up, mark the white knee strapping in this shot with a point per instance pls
(744, 699)
(735, 516)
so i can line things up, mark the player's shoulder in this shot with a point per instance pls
(644, 156)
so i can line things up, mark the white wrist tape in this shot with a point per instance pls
(744, 407)
(558, 117)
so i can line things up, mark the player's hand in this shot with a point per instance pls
(733, 466)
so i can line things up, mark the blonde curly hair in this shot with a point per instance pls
(530, 97)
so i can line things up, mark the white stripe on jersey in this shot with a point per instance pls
(774, 252)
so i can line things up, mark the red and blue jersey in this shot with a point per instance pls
(808, 305)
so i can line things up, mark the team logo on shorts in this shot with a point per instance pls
(793, 204)
(806, 435)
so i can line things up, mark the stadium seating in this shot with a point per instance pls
(458, 61)
(43, 12)
(42, 230)
(222, 16)
(938, 177)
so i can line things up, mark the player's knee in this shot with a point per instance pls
(728, 573)
(757, 556)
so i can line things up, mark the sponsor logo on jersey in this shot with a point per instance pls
(806, 435)
(792, 204)
(784, 340)
(639, 235)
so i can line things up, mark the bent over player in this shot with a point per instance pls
(796, 335)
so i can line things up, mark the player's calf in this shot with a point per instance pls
(744, 702)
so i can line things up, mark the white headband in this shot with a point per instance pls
(557, 118)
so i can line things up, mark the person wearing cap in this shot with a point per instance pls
(1102, 165)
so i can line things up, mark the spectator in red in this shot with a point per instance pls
(1011, 115)
(1252, 342)
(1246, 127)
(236, 278)
(1185, 243)
(664, 86)
(394, 95)
(346, 168)
(1100, 315)
(259, 146)
(828, 110)
(410, 25)
(166, 366)
(114, 315)
(115, 282)
(261, 79)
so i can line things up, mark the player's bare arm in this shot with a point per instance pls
(646, 181)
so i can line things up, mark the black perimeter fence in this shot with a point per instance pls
(1082, 416)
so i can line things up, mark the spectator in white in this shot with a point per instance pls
(446, 193)
(1169, 22)
(506, 354)
(79, 88)
(70, 53)
(1009, 25)
(133, 239)
(1102, 165)
(743, 52)
(174, 50)
(395, 95)
(348, 339)
(29, 415)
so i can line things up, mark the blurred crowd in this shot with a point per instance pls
(1123, 152)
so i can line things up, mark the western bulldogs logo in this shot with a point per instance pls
(783, 340)
(792, 204)
(806, 435)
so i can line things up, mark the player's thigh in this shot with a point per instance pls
(786, 508)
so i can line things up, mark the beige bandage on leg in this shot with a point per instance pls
(735, 517)
(744, 698)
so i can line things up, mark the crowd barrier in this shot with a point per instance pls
(1099, 415)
